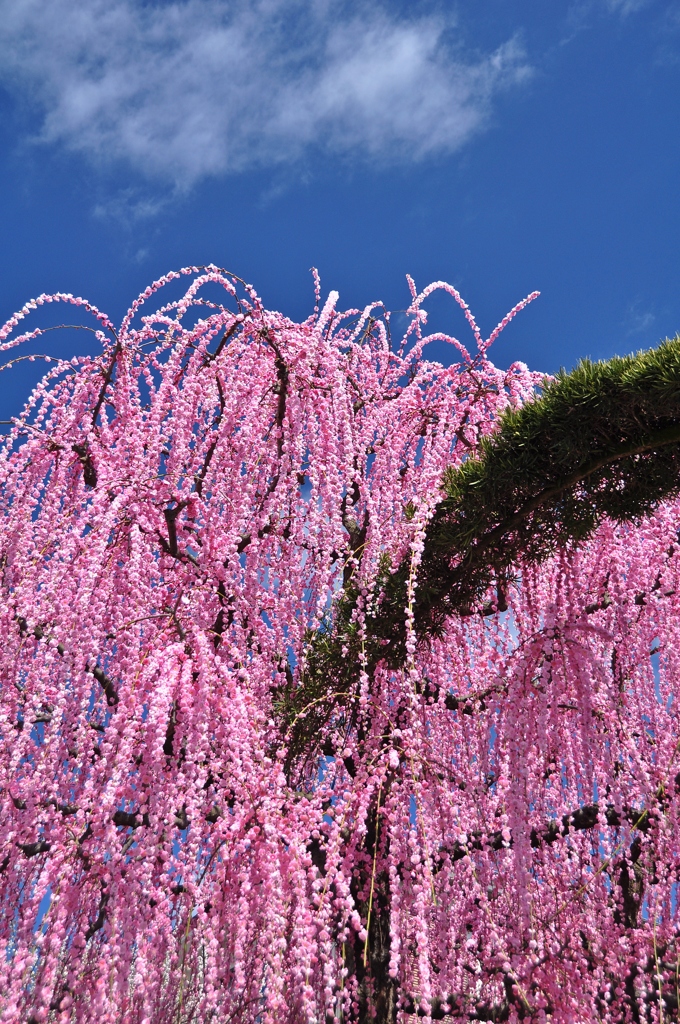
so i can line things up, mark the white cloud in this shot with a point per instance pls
(194, 88)
(626, 6)
(581, 12)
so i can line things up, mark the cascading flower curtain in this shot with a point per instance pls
(192, 831)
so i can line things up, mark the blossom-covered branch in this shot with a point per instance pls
(255, 766)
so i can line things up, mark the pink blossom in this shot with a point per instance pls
(178, 518)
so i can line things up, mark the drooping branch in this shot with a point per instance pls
(199, 477)
(282, 385)
(281, 390)
(108, 377)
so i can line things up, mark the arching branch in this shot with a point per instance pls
(601, 442)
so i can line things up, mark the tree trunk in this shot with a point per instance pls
(378, 992)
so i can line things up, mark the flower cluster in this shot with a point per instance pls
(489, 832)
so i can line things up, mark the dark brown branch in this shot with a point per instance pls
(170, 546)
(133, 820)
(599, 606)
(228, 334)
(219, 623)
(107, 380)
(466, 705)
(170, 515)
(65, 809)
(583, 818)
(101, 917)
(34, 849)
(107, 684)
(168, 746)
(181, 819)
(85, 459)
(127, 819)
(283, 380)
(282, 389)
(200, 476)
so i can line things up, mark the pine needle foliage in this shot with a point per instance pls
(602, 441)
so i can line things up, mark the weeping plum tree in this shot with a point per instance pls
(337, 684)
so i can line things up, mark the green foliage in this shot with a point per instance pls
(602, 441)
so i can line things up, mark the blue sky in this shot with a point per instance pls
(502, 145)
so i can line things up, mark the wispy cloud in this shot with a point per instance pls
(581, 12)
(194, 88)
(638, 320)
(625, 6)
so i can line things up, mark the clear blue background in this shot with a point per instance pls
(567, 184)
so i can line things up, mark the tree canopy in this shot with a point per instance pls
(338, 684)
